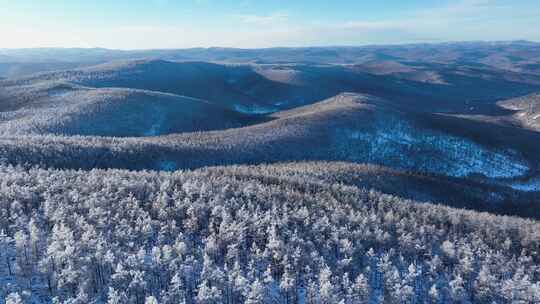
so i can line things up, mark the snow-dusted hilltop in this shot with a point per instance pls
(350, 127)
(527, 110)
(520, 56)
(67, 109)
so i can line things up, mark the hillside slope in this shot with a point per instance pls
(67, 109)
(527, 110)
(421, 187)
(259, 89)
(349, 127)
(232, 86)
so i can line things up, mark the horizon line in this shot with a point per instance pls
(515, 41)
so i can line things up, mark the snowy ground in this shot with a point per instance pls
(254, 109)
(530, 185)
(33, 285)
(396, 143)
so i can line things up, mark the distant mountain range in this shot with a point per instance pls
(522, 56)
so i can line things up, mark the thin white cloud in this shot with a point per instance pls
(463, 20)
(273, 19)
(420, 18)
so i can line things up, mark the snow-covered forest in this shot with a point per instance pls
(392, 174)
(219, 235)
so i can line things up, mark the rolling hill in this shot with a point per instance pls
(350, 127)
(420, 187)
(18, 69)
(259, 89)
(232, 86)
(66, 109)
(527, 110)
(519, 56)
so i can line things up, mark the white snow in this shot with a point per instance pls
(280, 103)
(255, 109)
(529, 186)
(59, 92)
(398, 144)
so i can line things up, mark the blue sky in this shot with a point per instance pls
(139, 24)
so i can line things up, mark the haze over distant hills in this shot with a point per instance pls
(519, 56)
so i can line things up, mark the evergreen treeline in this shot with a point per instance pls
(217, 236)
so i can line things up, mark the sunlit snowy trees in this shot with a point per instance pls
(223, 236)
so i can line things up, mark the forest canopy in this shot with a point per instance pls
(219, 235)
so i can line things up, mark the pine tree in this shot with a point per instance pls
(433, 294)
(361, 289)
(457, 289)
(326, 286)
(483, 289)
(256, 294)
(14, 298)
(286, 285)
(207, 294)
(115, 297)
(151, 300)
(176, 291)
